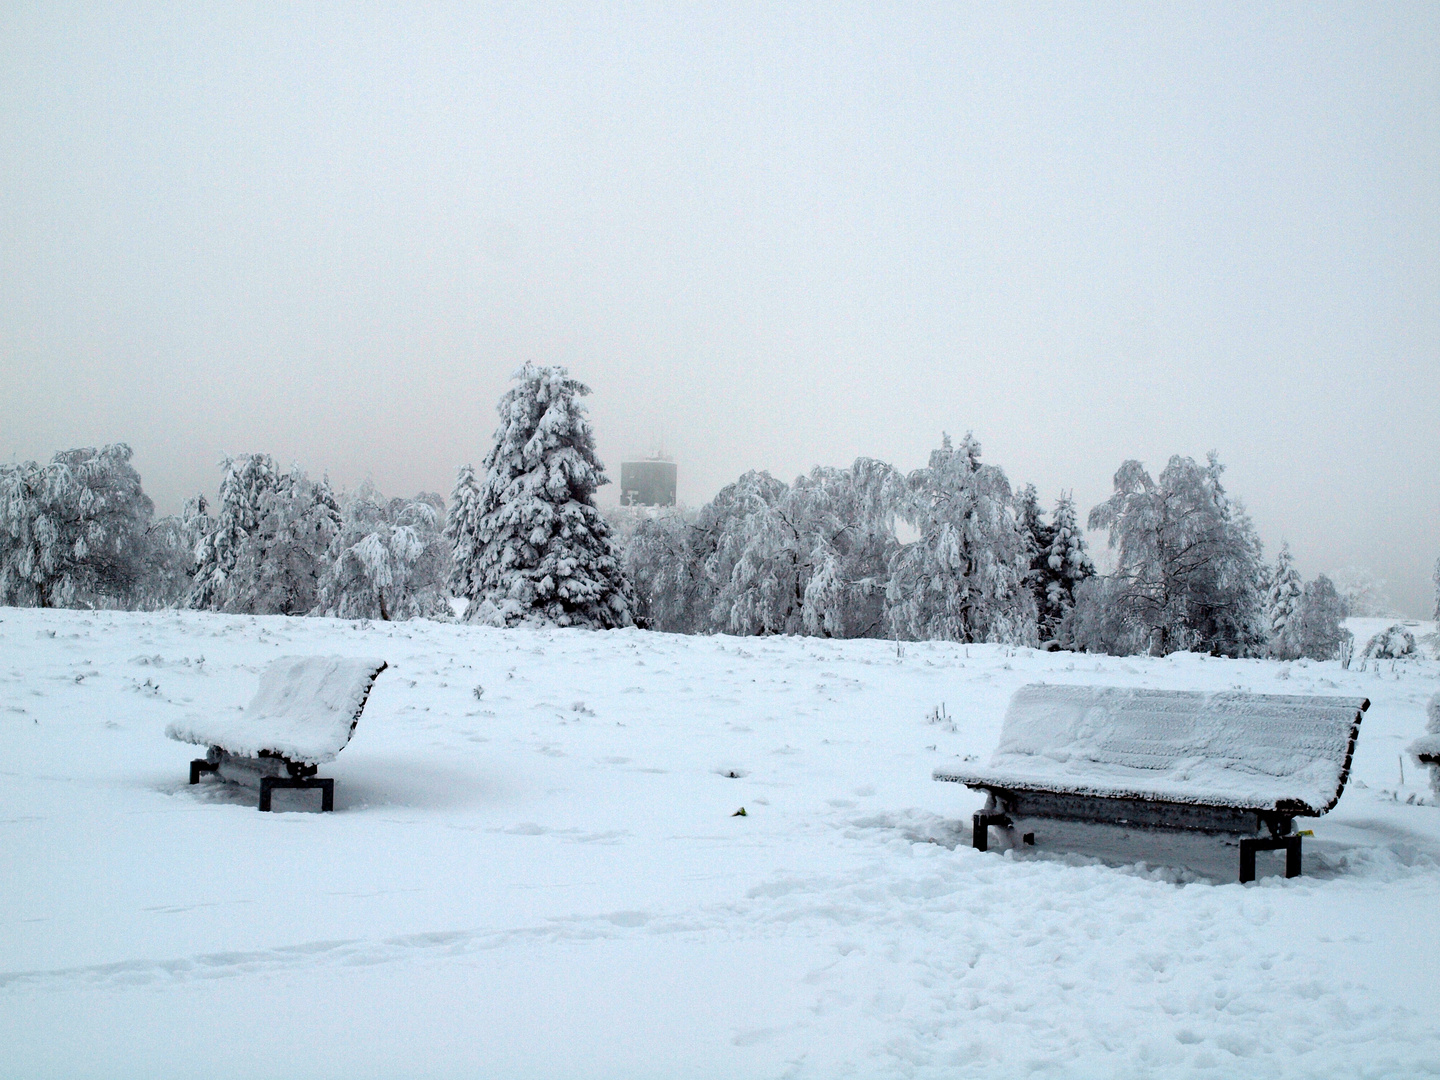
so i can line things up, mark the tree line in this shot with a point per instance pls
(950, 551)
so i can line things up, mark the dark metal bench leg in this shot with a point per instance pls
(1249, 845)
(327, 797)
(1247, 861)
(980, 829)
(266, 783)
(198, 766)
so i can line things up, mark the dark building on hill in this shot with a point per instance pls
(647, 483)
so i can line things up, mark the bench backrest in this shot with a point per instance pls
(305, 710)
(1230, 749)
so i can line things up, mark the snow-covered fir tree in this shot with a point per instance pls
(1281, 604)
(1189, 566)
(462, 530)
(243, 487)
(388, 561)
(1067, 564)
(1316, 629)
(1037, 537)
(73, 532)
(545, 553)
(964, 579)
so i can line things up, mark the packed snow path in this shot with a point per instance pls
(545, 879)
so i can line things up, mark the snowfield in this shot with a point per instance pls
(533, 870)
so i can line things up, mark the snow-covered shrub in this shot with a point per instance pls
(1390, 644)
(388, 560)
(73, 532)
(538, 549)
(1281, 603)
(964, 578)
(1189, 568)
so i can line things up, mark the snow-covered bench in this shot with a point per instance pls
(302, 715)
(1223, 763)
(1426, 749)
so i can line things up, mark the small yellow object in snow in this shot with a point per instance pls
(740, 813)
(1304, 832)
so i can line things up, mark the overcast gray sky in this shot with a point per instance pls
(773, 235)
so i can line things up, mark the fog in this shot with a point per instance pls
(769, 237)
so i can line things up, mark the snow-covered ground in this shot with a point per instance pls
(547, 880)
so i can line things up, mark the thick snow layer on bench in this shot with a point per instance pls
(305, 710)
(1252, 751)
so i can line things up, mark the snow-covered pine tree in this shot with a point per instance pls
(545, 551)
(1316, 628)
(1067, 564)
(462, 530)
(246, 481)
(1436, 615)
(1281, 605)
(1037, 537)
(964, 579)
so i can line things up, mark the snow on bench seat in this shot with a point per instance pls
(1211, 762)
(304, 711)
(1248, 751)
